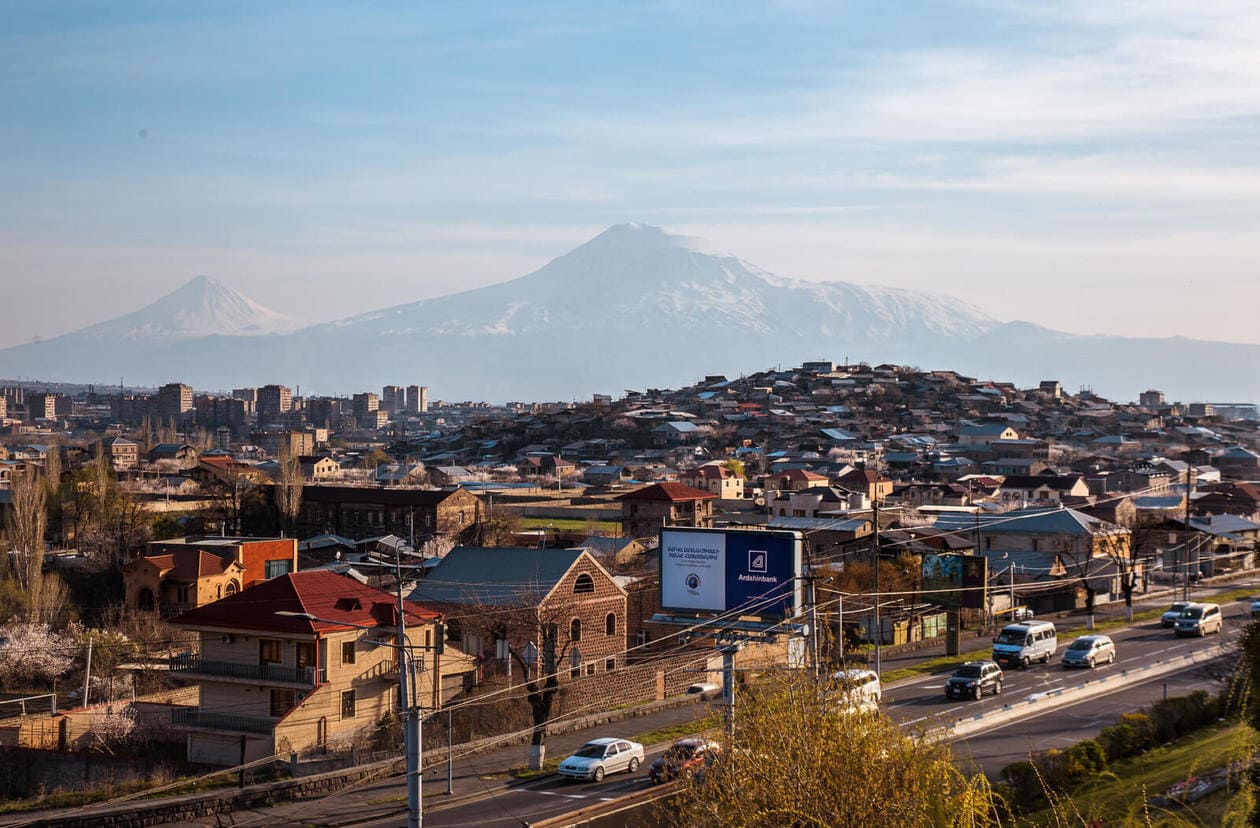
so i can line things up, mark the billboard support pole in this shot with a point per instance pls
(728, 687)
(813, 625)
(879, 632)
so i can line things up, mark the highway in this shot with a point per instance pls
(921, 702)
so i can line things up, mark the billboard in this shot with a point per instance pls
(960, 579)
(738, 571)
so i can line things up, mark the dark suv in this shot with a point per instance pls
(974, 679)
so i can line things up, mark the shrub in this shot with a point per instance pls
(1023, 782)
(1134, 733)
(1083, 760)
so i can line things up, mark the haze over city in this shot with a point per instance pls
(1087, 168)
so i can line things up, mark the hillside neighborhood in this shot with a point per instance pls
(249, 568)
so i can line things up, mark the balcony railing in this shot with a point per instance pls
(195, 665)
(196, 717)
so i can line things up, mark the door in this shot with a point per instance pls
(304, 654)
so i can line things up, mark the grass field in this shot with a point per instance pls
(1118, 797)
(595, 527)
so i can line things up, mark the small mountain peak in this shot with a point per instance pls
(638, 236)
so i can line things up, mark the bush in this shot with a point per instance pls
(1023, 782)
(1134, 733)
(1083, 760)
(1180, 715)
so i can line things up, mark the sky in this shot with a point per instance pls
(1087, 166)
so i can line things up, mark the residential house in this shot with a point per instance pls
(506, 598)
(875, 486)
(181, 455)
(357, 512)
(606, 475)
(184, 573)
(794, 480)
(814, 502)
(977, 434)
(548, 465)
(1018, 491)
(1238, 463)
(273, 684)
(180, 579)
(123, 454)
(716, 479)
(449, 475)
(1242, 499)
(645, 511)
(317, 469)
(618, 551)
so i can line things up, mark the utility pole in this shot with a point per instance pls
(407, 710)
(879, 633)
(728, 688)
(1185, 572)
(813, 624)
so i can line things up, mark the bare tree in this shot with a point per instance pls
(28, 521)
(289, 486)
(1088, 561)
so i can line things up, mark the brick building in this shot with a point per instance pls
(506, 597)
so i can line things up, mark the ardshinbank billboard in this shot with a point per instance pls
(738, 571)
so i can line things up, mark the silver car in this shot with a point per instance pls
(1171, 615)
(602, 756)
(1090, 650)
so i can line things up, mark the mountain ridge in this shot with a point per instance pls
(635, 306)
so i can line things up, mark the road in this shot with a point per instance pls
(922, 702)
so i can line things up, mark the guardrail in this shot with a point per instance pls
(1046, 701)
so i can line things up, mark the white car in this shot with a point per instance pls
(704, 690)
(1173, 613)
(600, 757)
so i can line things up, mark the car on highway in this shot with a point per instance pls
(600, 757)
(860, 690)
(704, 690)
(684, 758)
(1170, 616)
(1090, 650)
(973, 679)
(1200, 620)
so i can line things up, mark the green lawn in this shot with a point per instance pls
(1118, 797)
(604, 527)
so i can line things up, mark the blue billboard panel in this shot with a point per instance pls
(737, 571)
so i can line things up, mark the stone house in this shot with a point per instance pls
(123, 454)
(358, 512)
(877, 487)
(644, 511)
(508, 597)
(272, 684)
(317, 469)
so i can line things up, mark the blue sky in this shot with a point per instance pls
(1089, 166)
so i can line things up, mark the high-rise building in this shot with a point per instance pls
(393, 398)
(41, 406)
(274, 400)
(1151, 399)
(417, 399)
(366, 405)
(174, 401)
(250, 395)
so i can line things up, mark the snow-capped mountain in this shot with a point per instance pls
(201, 307)
(633, 278)
(634, 307)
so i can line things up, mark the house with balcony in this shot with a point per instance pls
(715, 478)
(271, 684)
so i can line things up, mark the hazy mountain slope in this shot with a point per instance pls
(633, 307)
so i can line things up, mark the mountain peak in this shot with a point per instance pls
(202, 306)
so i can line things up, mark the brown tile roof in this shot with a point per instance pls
(187, 564)
(340, 601)
(662, 492)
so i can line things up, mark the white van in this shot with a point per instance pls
(1021, 644)
(860, 689)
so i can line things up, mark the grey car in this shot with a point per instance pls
(1089, 651)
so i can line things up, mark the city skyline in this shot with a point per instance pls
(1087, 169)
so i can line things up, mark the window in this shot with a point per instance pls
(641, 637)
(610, 624)
(181, 595)
(610, 665)
(347, 652)
(277, 568)
(270, 651)
(347, 704)
(575, 629)
(590, 669)
(282, 702)
(233, 587)
(584, 583)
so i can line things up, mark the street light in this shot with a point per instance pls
(408, 710)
